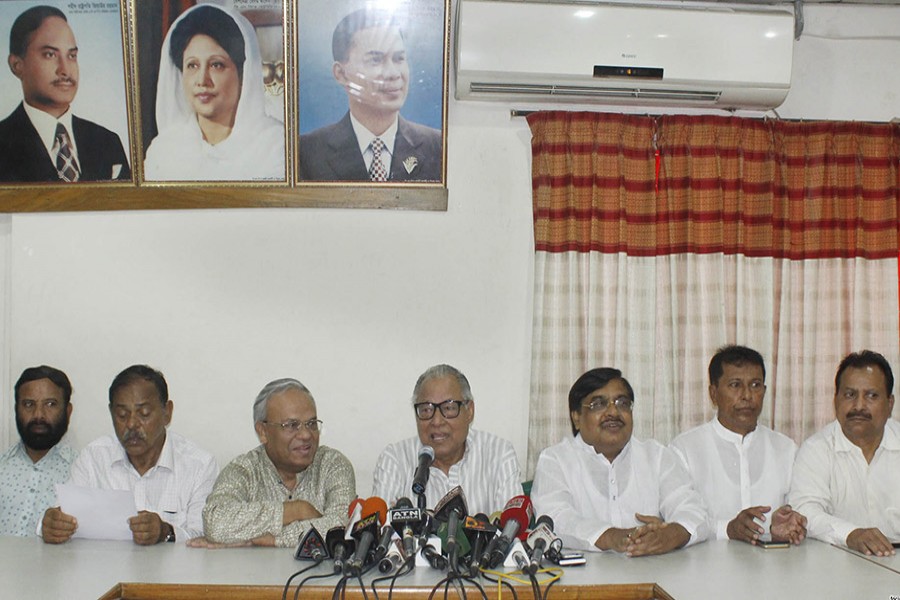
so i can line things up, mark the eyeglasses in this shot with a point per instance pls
(598, 405)
(293, 425)
(449, 409)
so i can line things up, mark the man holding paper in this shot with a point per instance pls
(169, 476)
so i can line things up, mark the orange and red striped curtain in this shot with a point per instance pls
(658, 239)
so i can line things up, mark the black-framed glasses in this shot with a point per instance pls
(598, 405)
(293, 425)
(449, 409)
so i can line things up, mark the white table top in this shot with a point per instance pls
(721, 569)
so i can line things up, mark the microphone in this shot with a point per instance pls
(540, 539)
(384, 543)
(364, 533)
(478, 531)
(450, 511)
(394, 558)
(338, 546)
(516, 517)
(407, 522)
(420, 479)
(434, 558)
(311, 546)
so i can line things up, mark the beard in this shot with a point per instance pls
(40, 434)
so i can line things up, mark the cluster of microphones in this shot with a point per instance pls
(445, 538)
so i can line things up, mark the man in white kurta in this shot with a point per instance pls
(742, 469)
(847, 476)
(483, 464)
(606, 490)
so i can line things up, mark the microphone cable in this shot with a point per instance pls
(287, 585)
(405, 569)
(500, 580)
(303, 582)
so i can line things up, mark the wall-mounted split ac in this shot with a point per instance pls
(666, 54)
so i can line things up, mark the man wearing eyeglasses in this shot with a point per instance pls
(169, 475)
(482, 463)
(740, 467)
(607, 490)
(273, 494)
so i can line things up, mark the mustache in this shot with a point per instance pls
(859, 414)
(133, 436)
(38, 422)
(612, 420)
(64, 80)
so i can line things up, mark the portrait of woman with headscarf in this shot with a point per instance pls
(210, 104)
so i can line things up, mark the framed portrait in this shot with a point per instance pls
(210, 80)
(371, 81)
(63, 98)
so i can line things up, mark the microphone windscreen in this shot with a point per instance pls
(375, 505)
(427, 451)
(353, 504)
(544, 520)
(403, 502)
(519, 509)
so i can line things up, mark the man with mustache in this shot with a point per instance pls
(847, 476)
(607, 490)
(741, 468)
(31, 467)
(483, 464)
(41, 140)
(169, 476)
(373, 142)
(274, 494)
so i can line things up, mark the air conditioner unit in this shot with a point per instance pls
(648, 54)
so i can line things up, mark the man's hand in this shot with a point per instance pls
(56, 526)
(788, 525)
(870, 541)
(656, 537)
(744, 526)
(146, 528)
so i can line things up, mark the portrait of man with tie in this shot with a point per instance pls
(374, 66)
(42, 140)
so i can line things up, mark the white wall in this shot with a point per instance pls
(354, 303)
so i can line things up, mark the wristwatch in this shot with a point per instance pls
(170, 533)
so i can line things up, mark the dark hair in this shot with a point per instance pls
(358, 20)
(736, 356)
(57, 377)
(866, 358)
(137, 373)
(217, 24)
(27, 23)
(590, 382)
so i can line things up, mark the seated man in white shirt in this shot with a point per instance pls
(169, 476)
(484, 465)
(607, 490)
(847, 476)
(741, 468)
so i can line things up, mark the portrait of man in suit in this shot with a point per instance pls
(41, 140)
(373, 142)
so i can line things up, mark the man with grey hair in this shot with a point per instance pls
(484, 465)
(273, 494)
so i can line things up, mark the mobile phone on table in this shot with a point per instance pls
(772, 545)
(571, 559)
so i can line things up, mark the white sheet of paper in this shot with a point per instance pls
(101, 514)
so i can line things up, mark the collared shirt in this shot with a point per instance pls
(364, 138)
(248, 498)
(26, 487)
(585, 494)
(733, 472)
(45, 124)
(838, 491)
(175, 488)
(488, 473)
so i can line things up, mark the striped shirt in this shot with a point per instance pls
(488, 473)
(175, 488)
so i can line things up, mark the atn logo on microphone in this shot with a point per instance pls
(404, 515)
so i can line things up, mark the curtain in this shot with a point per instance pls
(659, 239)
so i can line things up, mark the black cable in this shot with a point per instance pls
(535, 587)
(512, 588)
(287, 585)
(550, 585)
(409, 565)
